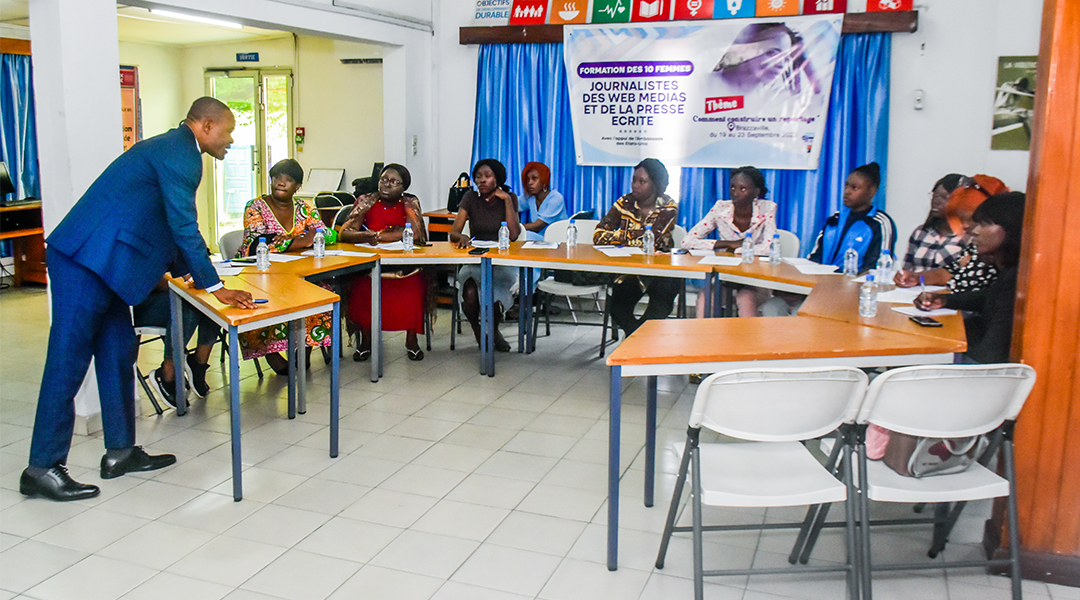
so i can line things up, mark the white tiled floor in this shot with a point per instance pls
(450, 486)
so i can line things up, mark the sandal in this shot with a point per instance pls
(417, 354)
(361, 355)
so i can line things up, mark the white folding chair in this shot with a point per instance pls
(774, 410)
(951, 401)
(152, 333)
(228, 246)
(789, 244)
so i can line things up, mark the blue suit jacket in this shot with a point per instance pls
(138, 218)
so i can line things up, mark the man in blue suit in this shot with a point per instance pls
(137, 221)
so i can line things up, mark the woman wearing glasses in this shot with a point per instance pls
(378, 218)
(967, 272)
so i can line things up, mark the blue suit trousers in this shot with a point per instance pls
(89, 320)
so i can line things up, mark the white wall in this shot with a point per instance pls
(953, 58)
(163, 104)
(454, 77)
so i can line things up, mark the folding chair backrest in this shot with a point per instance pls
(326, 200)
(229, 243)
(677, 236)
(947, 401)
(556, 232)
(789, 243)
(779, 405)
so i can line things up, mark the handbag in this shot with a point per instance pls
(457, 192)
(913, 456)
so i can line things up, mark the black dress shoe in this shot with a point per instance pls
(56, 484)
(137, 460)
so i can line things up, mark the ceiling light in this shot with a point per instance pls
(207, 21)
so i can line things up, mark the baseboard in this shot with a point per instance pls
(1059, 569)
(89, 424)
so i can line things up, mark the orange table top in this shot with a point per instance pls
(286, 294)
(766, 338)
(585, 255)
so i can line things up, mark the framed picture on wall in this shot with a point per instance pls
(1014, 103)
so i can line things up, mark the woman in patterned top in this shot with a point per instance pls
(746, 212)
(624, 225)
(967, 273)
(934, 244)
(287, 224)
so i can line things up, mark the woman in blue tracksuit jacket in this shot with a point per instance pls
(857, 225)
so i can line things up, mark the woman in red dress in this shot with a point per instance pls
(379, 218)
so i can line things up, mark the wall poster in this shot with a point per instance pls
(721, 93)
(1014, 103)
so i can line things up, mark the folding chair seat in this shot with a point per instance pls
(981, 399)
(773, 411)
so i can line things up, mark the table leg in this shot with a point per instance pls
(291, 355)
(177, 341)
(234, 411)
(335, 378)
(650, 440)
(708, 291)
(376, 321)
(301, 366)
(614, 422)
(526, 312)
(487, 317)
(718, 298)
(521, 309)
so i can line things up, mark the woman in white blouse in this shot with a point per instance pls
(746, 212)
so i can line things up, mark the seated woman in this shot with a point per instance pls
(154, 312)
(376, 218)
(484, 209)
(746, 212)
(996, 233)
(858, 224)
(287, 224)
(934, 244)
(624, 225)
(539, 206)
(967, 272)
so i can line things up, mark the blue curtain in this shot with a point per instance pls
(18, 133)
(523, 114)
(856, 133)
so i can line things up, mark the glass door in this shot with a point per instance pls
(260, 102)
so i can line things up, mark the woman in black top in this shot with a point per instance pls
(996, 234)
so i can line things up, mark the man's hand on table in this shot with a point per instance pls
(238, 298)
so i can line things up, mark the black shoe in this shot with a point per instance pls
(56, 484)
(501, 344)
(137, 460)
(361, 355)
(196, 376)
(165, 389)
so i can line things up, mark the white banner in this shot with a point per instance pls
(720, 94)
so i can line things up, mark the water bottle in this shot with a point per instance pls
(747, 249)
(648, 241)
(571, 234)
(775, 255)
(319, 243)
(504, 237)
(868, 298)
(262, 255)
(407, 238)
(884, 269)
(851, 263)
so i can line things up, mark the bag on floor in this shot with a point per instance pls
(913, 456)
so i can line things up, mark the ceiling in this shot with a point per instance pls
(139, 25)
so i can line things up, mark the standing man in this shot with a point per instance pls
(137, 221)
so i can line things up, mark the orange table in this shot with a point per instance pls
(828, 331)
(289, 299)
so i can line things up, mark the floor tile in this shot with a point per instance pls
(278, 526)
(461, 519)
(227, 561)
(94, 578)
(378, 582)
(31, 562)
(91, 530)
(387, 507)
(156, 545)
(508, 569)
(349, 539)
(166, 586)
(300, 575)
(425, 554)
(583, 580)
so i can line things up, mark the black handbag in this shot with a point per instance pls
(457, 192)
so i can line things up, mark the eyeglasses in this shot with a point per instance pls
(971, 184)
(389, 181)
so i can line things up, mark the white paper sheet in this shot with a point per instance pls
(283, 258)
(227, 271)
(540, 245)
(614, 252)
(798, 261)
(484, 244)
(905, 295)
(816, 269)
(328, 252)
(911, 311)
(352, 253)
(702, 253)
(724, 261)
(398, 245)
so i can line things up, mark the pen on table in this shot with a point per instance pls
(922, 285)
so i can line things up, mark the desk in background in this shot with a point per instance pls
(21, 223)
(440, 222)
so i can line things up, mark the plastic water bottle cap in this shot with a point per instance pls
(504, 223)
(572, 221)
(776, 236)
(649, 227)
(748, 234)
(869, 277)
(262, 239)
(407, 226)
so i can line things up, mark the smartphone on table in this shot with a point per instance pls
(926, 321)
(478, 251)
